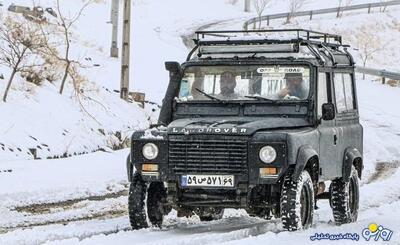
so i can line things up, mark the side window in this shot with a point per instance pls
(348, 89)
(344, 92)
(339, 93)
(322, 91)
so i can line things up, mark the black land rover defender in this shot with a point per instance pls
(257, 120)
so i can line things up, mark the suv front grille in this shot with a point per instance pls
(204, 154)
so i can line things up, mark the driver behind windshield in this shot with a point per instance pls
(227, 85)
(197, 85)
(295, 87)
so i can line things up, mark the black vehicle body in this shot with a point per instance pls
(211, 138)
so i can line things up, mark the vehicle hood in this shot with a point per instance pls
(232, 126)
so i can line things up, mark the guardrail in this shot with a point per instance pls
(311, 13)
(379, 73)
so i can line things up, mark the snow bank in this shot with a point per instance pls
(55, 126)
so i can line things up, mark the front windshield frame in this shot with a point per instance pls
(306, 64)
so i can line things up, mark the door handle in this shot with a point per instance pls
(335, 139)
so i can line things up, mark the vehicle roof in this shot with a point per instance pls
(322, 49)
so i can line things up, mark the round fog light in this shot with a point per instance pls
(267, 154)
(150, 151)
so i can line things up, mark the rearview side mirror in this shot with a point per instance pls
(328, 111)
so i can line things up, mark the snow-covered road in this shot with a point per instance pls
(83, 199)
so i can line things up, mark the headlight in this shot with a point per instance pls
(150, 151)
(267, 154)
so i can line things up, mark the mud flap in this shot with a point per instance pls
(129, 168)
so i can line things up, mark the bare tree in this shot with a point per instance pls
(294, 6)
(341, 4)
(259, 6)
(19, 43)
(57, 51)
(383, 9)
(64, 24)
(367, 43)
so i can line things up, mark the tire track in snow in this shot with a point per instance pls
(99, 215)
(386, 174)
(383, 170)
(42, 208)
(77, 230)
(106, 206)
(196, 232)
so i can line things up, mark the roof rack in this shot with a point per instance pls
(266, 41)
(264, 36)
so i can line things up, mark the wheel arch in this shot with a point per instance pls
(307, 158)
(352, 157)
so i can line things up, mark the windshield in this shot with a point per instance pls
(245, 82)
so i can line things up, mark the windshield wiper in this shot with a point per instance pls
(210, 96)
(258, 97)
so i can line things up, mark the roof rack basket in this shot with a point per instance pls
(266, 41)
(264, 37)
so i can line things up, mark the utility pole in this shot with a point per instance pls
(246, 5)
(125, 50)
(114, 23)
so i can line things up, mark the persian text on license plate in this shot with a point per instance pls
(208, 180)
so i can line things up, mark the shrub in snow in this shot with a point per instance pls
(393, 83)
(19, 45)
(366, 42)
(294, 6)
(59, 41)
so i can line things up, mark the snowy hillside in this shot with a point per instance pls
(39, 122)
(354, 27)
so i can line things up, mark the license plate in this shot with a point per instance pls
(208, 180)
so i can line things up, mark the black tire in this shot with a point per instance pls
(218, 214)
(297, 202)
(345, 198)
(156, 196)
(136, 207)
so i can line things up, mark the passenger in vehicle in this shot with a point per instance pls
(197, 84)
(228, 85)
(295, 87)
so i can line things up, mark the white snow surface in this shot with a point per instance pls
(83, 199)
(104, 220)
